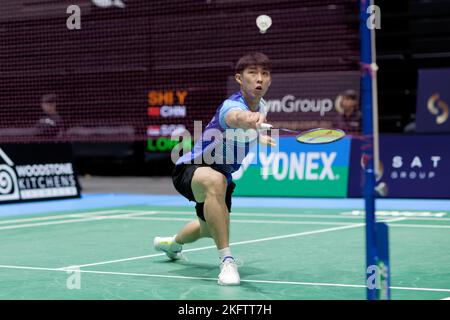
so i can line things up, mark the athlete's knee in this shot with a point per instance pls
(216, 185)
(208, 183)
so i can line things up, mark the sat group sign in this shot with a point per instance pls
(412, 166)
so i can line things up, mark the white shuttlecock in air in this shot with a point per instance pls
(109, 3)
(263, 22)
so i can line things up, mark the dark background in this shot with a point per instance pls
(103, 72)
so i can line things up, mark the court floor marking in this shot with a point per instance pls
(237, 243)
(232, 244)
(242, 221)
(138, 216)
(299, 215)
(290, 222)
(59, 216)
(402, 213)
(29, 225)
(95, 215)
(90, 217)
(430, 226)
(215, 279)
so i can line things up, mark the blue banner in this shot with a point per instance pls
(433, 100)
(412, 166)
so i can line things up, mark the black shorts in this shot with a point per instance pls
(182, 178)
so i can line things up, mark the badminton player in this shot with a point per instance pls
(210, 186)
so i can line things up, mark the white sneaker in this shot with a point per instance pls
(167, 244)
(229, 275)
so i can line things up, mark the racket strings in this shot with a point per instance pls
(321, 136)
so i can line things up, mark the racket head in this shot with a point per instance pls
(320, 136)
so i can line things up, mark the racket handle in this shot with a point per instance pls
(265, 126)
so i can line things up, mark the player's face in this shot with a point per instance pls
(254, 81)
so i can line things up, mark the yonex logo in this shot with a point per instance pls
(310, 166)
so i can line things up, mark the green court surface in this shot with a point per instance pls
(287, 254)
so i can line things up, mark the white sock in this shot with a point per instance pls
(175, 246)
(225, 254)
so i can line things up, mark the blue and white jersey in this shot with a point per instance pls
(220, 146)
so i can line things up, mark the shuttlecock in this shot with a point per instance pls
(109, 3)
(263, 22)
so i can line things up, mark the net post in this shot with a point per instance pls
(368, 147)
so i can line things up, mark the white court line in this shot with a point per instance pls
(125, 217)
(215, 279)
(29, 225)
(95, 216)
(431, 226)
(261, 214)
(91, 217)
(233, 244)
(400, 213)
(136, 216)
(299, 215)
(60, 216)
(448, 298)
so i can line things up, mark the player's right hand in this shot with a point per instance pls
(254, 120)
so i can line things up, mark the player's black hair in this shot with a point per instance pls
(253, 59)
